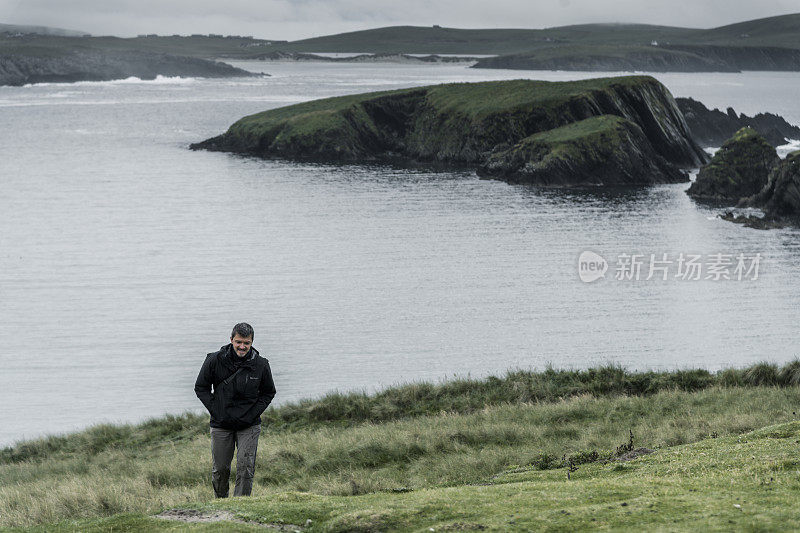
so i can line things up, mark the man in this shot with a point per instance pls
(242, 389)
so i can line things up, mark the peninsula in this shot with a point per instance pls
(623, 130)
(18, 69)
(39, 55)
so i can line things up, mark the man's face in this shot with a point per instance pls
(241, 345)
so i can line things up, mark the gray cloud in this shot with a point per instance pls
(296, 19)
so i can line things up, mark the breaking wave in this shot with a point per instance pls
(159, 80)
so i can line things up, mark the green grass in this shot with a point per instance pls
(459, 396)
(746, 482)
(679, 487)
(591, 140)
(477, 100)
(418, 437)
(473, 99)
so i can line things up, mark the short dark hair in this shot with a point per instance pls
(244, 330)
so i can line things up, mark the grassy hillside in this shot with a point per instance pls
(191, 46)
(771, 31)
(738, 483)
(425, 455)
(43, 30)
(781, 31)
(417, 39)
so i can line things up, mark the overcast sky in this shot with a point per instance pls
(297, 19)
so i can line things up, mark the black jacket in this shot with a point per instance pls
(239, 403)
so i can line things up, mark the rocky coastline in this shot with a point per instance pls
(711, 128)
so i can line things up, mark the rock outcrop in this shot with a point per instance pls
(600, 131)
(713, 127)
(600, 150)
(780, 198)
(740, 168)
(19, 69)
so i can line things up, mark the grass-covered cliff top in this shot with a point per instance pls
(493, 452)
(470, 99)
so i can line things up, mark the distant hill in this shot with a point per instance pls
(439, 40)
(781, 31)
(201, 46)
(765, 44)
(41, 30)
(37, 58)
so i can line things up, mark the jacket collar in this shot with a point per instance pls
(228, 354)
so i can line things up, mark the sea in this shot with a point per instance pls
(125, 257)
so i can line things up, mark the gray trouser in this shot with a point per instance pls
(222, 444)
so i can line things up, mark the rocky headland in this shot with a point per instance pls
(713, 127)
(780, 197)
(94, 65)
(625, 130)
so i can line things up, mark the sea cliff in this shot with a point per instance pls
(518, 130)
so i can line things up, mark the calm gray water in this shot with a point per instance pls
(125, 257)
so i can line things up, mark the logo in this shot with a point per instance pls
(591, 266)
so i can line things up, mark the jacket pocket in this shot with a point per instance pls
(250, 386)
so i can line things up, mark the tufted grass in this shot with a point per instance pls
(417, 443)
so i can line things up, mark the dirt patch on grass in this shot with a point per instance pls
(633, 454)
(194, 515)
